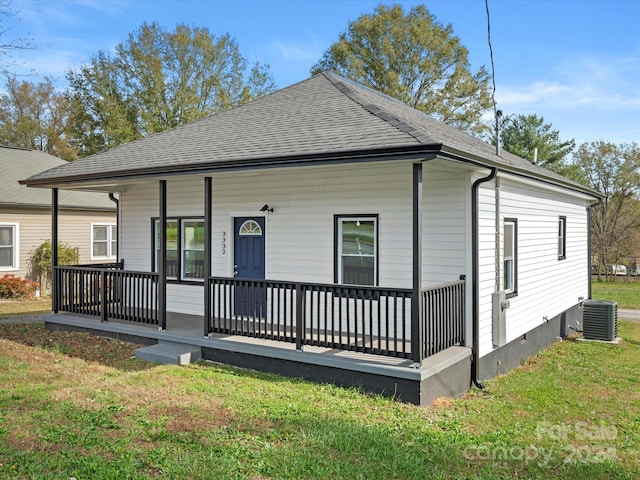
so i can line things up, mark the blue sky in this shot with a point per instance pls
(574, 62)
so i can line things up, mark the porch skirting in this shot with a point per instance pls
(444, 374)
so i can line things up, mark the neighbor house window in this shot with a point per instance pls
(104, 241)
(185, 248)
(510, 251)
(356, 250)
(8, 246)
(562, 238)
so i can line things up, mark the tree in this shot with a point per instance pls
(526, 133)
(9, 46)
(41, 265)
(415, 59)
(158, 80)
(613, 170)
(35, 116)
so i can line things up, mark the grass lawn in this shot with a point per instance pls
(24, 306)
(626, 293)
(75, 406)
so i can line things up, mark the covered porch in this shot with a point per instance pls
(113, 302)
(370, 320)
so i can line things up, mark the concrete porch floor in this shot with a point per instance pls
(444, 374)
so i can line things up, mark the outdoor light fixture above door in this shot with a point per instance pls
(266, 208)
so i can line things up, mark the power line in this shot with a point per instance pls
(497, 113)
(493, 67)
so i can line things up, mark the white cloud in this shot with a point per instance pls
(602, 84)
(300, 51)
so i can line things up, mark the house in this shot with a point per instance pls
(87, 220)
(330, 232)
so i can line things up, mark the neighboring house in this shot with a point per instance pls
(334, 218)
(87, 220)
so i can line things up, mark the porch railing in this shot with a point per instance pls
(364, 319)
(373, 320)
(443, 316)
(108, 292)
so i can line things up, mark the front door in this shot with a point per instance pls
(249, 263)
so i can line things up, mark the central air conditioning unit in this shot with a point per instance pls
(600, 320)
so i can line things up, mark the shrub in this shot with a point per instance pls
(15, 287)
(40, 261)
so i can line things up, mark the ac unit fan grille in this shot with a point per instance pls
(600, 320)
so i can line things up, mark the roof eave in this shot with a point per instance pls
(459, 155)
(323, 158)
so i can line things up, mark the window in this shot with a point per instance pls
(193, 249)
(185, 248)
(104, 241)
(8, 246)
(562, 238)
(510, 263)
(356, 250)
(250, 227)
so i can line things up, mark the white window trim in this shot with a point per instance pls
(183, 250)
(110, 254)
(562, 237)
(16, 247)
(347, 218)
(513, 290)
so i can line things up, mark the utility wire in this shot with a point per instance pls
(496, 113)
(493, 67)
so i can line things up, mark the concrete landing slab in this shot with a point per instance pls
(170, 353)
(615, 341)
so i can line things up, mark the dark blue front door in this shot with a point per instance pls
(249, 263)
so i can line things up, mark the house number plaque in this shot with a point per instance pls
(224, 242)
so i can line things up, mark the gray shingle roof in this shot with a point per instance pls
(17, 164)
(324, 116)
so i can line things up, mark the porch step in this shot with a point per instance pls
(170, 353)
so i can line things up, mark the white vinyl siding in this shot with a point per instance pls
(299, 233)
(74, 229)
(546, 287)
(446, 205)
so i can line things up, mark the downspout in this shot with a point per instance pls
(113, 198)
(475, 280)
(589, 208)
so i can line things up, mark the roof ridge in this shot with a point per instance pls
(341, 83)
(11, 147)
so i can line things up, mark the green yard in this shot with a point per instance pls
(625, 292)
(78, 406)
(24, 306)
(72, 405)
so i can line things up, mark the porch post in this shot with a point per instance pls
(417, 329)
(55, 301)
(162, 261)
(207, 254)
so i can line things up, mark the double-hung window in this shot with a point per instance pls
(562, 238)
(510, 256)
(104, 241)
(8, 246)
(185, 248)
(356, 239)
